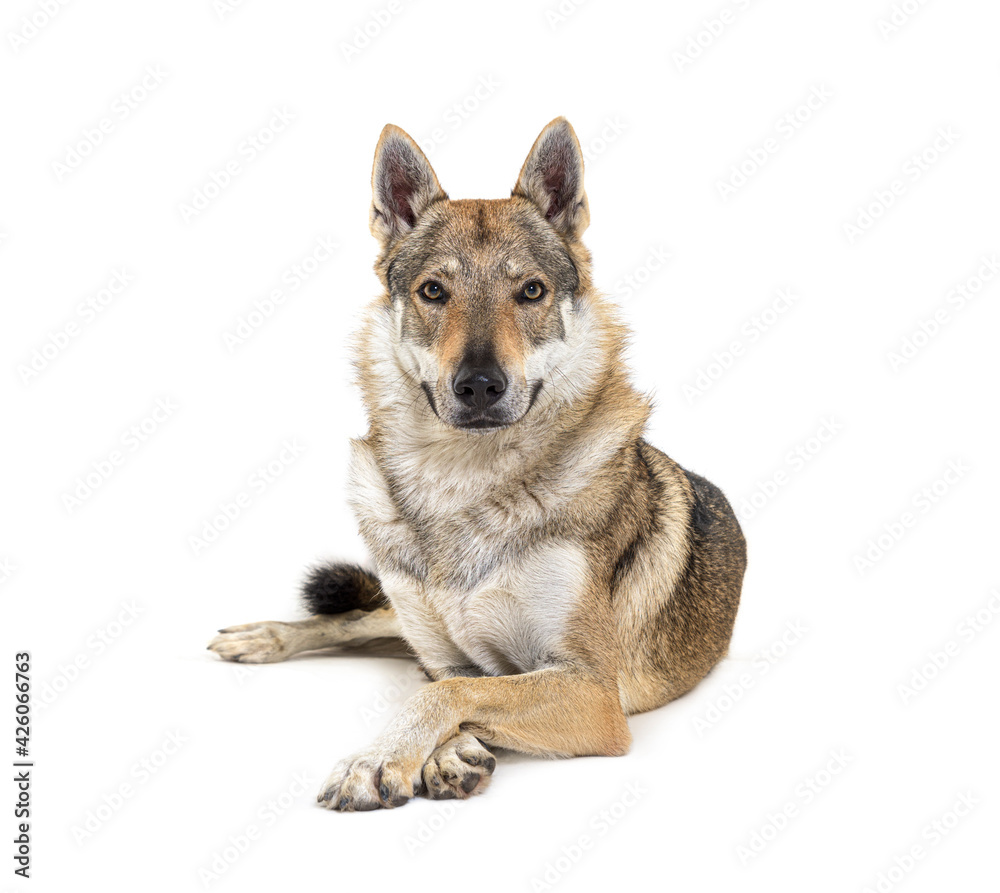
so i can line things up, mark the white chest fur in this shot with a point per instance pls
(517, 619)
(453, 559)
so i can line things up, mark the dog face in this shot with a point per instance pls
(482, 290)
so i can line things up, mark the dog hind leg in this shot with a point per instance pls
(274, 640)
(349, 612)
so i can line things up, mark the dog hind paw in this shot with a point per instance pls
(254, 643)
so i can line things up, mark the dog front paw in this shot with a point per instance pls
(369, 781)
(254, 643)
(458, 769)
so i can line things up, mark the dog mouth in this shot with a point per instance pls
(483, 421)
(482, 424)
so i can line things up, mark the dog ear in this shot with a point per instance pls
(403, 185)
(552, 178)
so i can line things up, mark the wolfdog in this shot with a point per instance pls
(551, 571)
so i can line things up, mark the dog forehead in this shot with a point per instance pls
(476, 221)
(479, 264)
(487, 243)
(494, 239)
(482, 235)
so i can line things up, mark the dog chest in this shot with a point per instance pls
(450, 528)
(465, 574)
(517, 619)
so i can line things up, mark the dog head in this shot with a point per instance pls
(482, 293)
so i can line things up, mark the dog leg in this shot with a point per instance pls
(273, 640)
(558, 711)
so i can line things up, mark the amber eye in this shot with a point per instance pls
(533, 291)
(432, 291)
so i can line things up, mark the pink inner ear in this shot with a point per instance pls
(401, 191)
(557, 174)
(554, 180)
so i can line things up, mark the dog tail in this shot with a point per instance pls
(336, 588)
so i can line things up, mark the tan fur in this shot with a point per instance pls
(551, 570)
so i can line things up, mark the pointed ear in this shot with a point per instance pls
(403, 185)
(552, 178)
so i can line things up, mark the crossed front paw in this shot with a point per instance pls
(369, 781)
(457, 769)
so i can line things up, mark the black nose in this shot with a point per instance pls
(479, 385)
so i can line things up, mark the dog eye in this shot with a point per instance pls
(432, 291)
(533, 291)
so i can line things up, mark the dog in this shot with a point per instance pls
(551, 571)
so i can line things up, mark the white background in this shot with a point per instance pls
(662, 132)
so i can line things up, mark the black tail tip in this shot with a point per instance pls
(336, 588)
